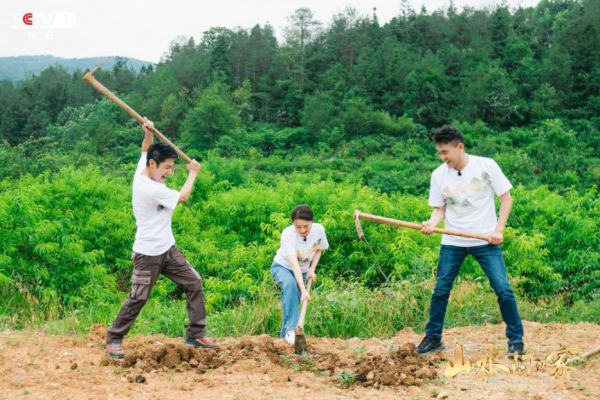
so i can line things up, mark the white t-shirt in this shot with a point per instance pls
(292, 244)
(153, 206)
(469, 198)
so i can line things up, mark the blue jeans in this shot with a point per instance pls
(489, 256)
(290, 296)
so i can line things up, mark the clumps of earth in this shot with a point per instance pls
(399, 367)
(402, 367)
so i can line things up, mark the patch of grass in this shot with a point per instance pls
(345, 310)
(345, 378)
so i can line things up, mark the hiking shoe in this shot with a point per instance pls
(115, 350)
(515, 349)
(201, 342)
(290, 336)
(429, 345)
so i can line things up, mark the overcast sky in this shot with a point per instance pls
(143, 29)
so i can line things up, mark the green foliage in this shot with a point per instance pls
(318, 112)
(242, 97)
(491, 95)
(427, 94)
(95, 130)
(172, 112)
(66, 244)
(569, 243)
(214, 116)
(359, 119)
(71, 233)
(346, 378)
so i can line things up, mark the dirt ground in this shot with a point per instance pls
(34, 365)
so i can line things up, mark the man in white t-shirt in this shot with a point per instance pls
(154, 250)
(462, 193)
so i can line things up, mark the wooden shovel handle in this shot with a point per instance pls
(304, 305)
(411, 225)
(585, 355)
(91, 80)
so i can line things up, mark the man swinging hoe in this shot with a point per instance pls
(154, 251)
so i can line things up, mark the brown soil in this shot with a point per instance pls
(398, 367)
(37, 366)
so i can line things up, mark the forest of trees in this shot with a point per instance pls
(504, 68)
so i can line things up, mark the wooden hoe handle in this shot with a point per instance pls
(395, 222)
(91, 80)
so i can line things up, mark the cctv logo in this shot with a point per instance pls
(40, 20)
(28, 19)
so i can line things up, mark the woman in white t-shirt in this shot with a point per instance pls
(295, 263)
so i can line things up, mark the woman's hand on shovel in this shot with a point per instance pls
(304, 296)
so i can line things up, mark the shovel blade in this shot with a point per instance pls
(300, 341)
(359, 230)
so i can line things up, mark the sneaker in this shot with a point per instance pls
(429, 345)
(515, 349)
(201, 342)
(290, 336)
(115, 350)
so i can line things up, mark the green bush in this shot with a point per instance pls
(71, 235)
(214, 116)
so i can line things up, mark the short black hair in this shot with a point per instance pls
(448, 134)
(302, 211)
(159, 152)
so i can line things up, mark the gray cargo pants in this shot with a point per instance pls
(146, 270)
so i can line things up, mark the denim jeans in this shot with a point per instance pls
(290, 296)
(489, 256)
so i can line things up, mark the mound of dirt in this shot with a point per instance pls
(97, 336)
(157, 356)
(402, 367)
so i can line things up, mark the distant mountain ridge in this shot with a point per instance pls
(18, 68)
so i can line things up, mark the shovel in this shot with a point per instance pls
(300, 338)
